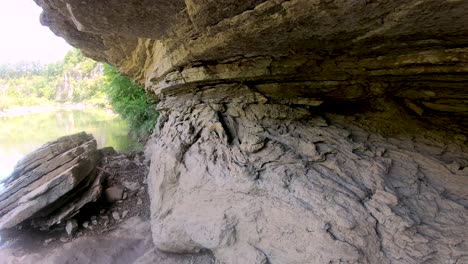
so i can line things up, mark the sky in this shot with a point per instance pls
(23, 38)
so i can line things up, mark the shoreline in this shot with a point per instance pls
(27, 110)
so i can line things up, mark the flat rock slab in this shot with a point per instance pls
(90, 192)
(45, 176)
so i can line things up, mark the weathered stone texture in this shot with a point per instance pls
(300, 131)
(153, 38)
(48, 178)
(256, 181)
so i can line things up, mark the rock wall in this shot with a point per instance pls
(261, 182)
(296, 131)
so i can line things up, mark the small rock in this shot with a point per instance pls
(64, 239)
(108, 151)
(139, 201)
(86, 224)
(145, 181)
(79, 233)
(132, 186)
(119, 201)
(124, 213)
(106, 223)
(94, 222)
(105, 217)
(71, 227)
(125, 195)
(116, 216)
(48, 241)
(93, 217)
(139, 159)
(141, 192)
(113, 194)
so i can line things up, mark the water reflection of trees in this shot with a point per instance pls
(22, 134)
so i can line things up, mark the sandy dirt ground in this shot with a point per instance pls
(117, 232)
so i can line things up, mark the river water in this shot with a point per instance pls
(19, 135)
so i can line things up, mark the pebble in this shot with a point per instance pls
(71, 227)
(116, 216)
(132, 186)
(124, 213)
(48, 241)
(86, 224)
(139, 201)
(93, 217)
(94, 222)
(64, 239)
(105, 217)
(125, 195)
(113, 194)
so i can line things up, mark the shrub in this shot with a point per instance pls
(130, 101)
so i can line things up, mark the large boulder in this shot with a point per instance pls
(48, 178)
(296, 131)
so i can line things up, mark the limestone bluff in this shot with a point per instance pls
(296, 131)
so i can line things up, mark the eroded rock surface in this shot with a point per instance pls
(47, 179)
(258, 182)
(296, 131)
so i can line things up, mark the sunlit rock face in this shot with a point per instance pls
(296, 131)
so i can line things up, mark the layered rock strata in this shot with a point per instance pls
(52, 183)
(296, 131)
(261, 182)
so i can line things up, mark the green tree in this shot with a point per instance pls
(75, 78)
(130, 101)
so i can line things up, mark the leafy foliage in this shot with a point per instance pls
(130, 101)
(76, 79)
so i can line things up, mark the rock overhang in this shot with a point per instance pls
(415, 52)
(347, 114)
(188, 32)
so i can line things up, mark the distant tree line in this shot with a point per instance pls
(22, 69)
(76, 79)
